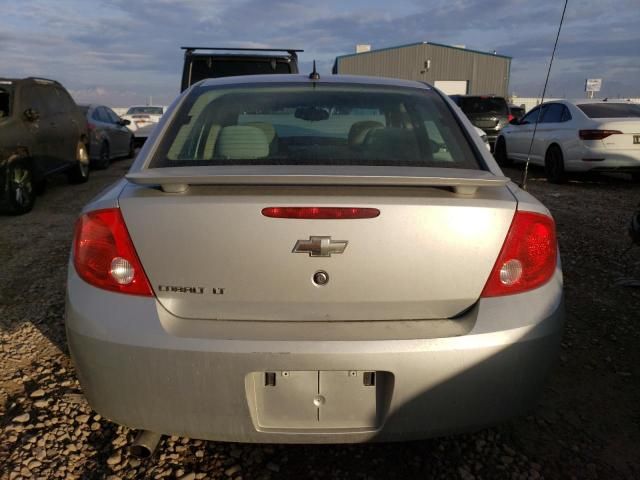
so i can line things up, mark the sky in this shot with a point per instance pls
(124, 52)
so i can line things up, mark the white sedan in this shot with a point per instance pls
(576, 136)
(143, 119)
(143, 115)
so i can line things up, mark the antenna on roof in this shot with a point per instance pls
(525, 174)
(314, 75)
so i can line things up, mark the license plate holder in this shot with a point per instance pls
(343, 399)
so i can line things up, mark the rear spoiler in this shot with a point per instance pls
(178, 179)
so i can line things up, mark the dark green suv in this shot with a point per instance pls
(488, 112)
(42, 131)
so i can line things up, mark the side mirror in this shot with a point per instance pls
(124, 122)
(31, 115)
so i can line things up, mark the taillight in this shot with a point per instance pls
(597, 134)
(528, 257)
(321, 213)
(510, 117)
(90, 126)
(104, 256)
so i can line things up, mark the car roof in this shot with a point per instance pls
(586, 101)
(145, 106)
(491, 95)
(303, 78)
(45, 81)
(218, 54)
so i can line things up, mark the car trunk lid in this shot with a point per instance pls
(210, 253)
(485, 121)
(629, 139)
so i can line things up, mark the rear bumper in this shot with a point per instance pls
(593, 159)
(93, 148)
(492, 137)
(139, 368)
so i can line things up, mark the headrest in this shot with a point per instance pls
(242, 142)
(358, 131)
(268, 129)
(393, 142)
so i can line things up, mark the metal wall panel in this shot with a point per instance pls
(486, 73)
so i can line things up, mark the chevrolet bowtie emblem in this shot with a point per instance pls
(320, 246)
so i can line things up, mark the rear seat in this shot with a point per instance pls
(269, 132)
(210, 144)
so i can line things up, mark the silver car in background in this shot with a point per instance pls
(313, 260)
(109, 135)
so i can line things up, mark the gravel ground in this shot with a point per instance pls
(587, 423)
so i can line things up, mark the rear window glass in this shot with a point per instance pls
(610, 110)
(494, 105)
(145, 110)
(64, 101)
(211, 67)
(101, 115)
(5, 100)
(314, 125)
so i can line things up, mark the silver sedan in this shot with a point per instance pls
(312, 260)
(109, 136)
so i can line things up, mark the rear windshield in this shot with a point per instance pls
(305, 124)
(610, 110)
(147, 110)
(5, 100)
(211, 67)
(493, 105)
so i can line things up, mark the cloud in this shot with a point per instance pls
(130, 49)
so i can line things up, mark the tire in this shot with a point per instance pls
(79, 173)
(20, 191)
(554, 165)
(105, 156)
(500, 153)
